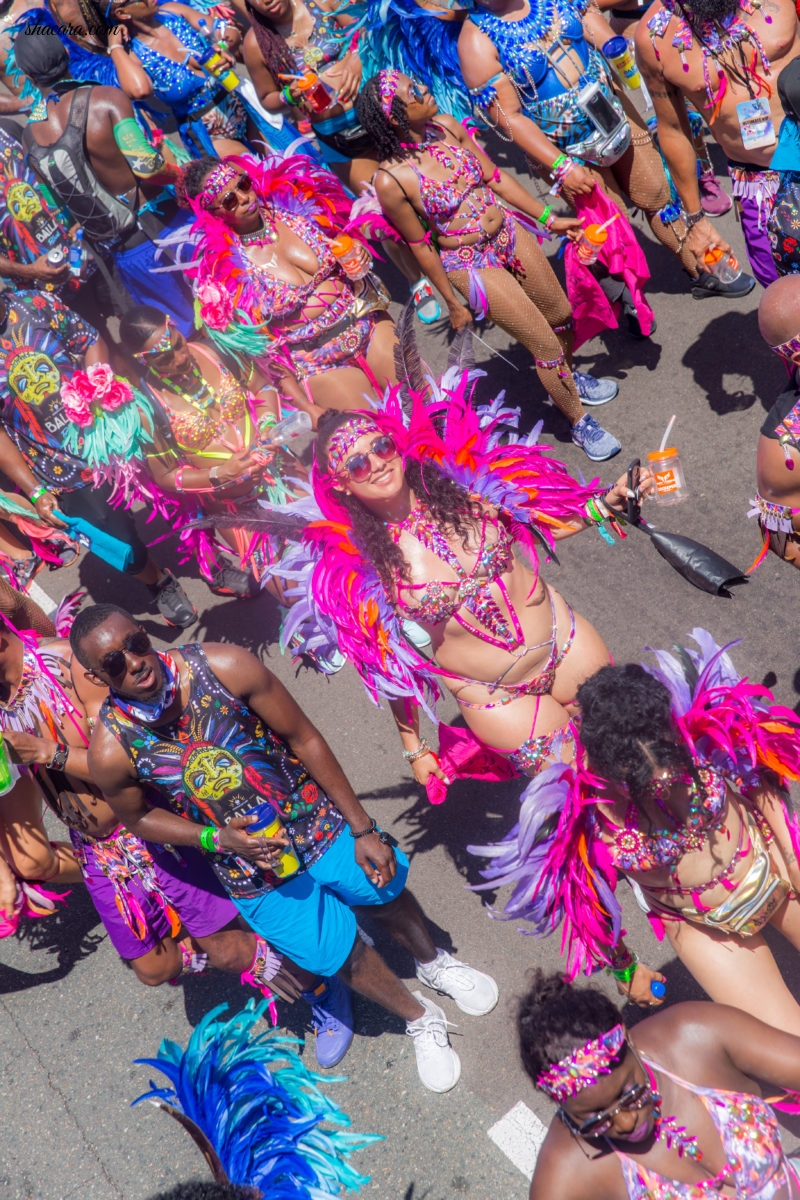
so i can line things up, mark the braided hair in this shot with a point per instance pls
(627, 726)
(386, 135)
(448, 503)
(272, 46)
(554, 1018)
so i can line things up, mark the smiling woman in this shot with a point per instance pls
(672, 1113)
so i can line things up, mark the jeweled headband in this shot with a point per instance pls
(220, 177)
(388, 83)
(787, 349)
(581, 1068)
(345, 438)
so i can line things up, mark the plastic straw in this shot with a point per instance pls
(667, 432)
(610, 221)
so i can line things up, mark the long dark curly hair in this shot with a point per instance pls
(627, 726)
(386, 135)
(450, 506)
(272, 46)
(555, 1018)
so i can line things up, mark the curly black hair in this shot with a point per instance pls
(272, 46)
(387, 135)
(627, 726)
(555, 1018)
(194, 174)
(449, 505)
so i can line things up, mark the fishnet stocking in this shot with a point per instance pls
(528, 309)
(22, 612)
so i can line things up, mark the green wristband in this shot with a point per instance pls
(545, 215)
(288, 97)
(625, 974)
(38, 492)
(562, 158)
(207, 838)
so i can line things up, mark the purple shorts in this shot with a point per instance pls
(142, 891)
(754, 188)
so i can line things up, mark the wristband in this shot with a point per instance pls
(38, 492)
(373, 825)
(545, 217)
(288, 97)
(625, 974)
(59, 759)
(209, 839)
(562, 158)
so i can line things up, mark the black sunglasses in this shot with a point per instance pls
(229, 201)
(359, 467)
(635, 1098)
(114, 663)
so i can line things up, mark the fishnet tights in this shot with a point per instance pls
(528, 309)
(22, 612)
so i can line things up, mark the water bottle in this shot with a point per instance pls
(290, 427)
(724, 266)
(668, 475)
(348, 255)
(213, 62)
(270, 825)
(591, 243)
(76, 255)
(8, 770)
(619, 52)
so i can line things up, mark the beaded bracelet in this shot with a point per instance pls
(38, 492)
(59, 759)
(373, 825)
(412, 755)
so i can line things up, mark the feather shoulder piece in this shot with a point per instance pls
(256, 1111)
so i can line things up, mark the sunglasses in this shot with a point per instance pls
(359, 467)
(631, 1101)
(164, 344)
(114, 663)
(416, 91)
(228, 202)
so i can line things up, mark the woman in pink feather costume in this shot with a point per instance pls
(281, 295)
(441, 525)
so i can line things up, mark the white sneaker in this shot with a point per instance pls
(418, 636)
(473, 992)
(438, 1065)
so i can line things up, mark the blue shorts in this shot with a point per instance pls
(310, 918)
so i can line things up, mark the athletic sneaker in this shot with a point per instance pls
(425, 303)
(415, 634)
(714, 201)
(596, 443)
(707, 285)
(438, 1065)
(331, 1020)
(232, 581)
(172, 602)
(594, 391)
(473, 992)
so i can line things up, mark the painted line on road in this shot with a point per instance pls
(519, 1134)
(40, 597)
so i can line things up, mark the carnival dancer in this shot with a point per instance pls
(420, 524)
(263, 236)
(287, 40)
(43, 346)
(226, 746)
(674, 1109)
(724, 58)
(217, 457)
(535, 73)
(777, 500)
(678, 784)
(165, 913)
(436, 183)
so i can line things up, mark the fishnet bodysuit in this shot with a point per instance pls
(535, 311)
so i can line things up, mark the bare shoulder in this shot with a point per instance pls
(448, 122)
(565, 1171)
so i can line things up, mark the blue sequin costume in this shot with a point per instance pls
(543, 95)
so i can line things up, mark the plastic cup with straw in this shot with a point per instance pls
(667, 470)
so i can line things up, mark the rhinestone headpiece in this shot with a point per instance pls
(388, 82)
(581, 1068)
(787, 349)
(345, 438)
(221, 177)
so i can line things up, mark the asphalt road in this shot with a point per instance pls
(75, 1017)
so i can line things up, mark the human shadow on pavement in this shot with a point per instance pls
(252, 624)
(739, 351)
(69, 935)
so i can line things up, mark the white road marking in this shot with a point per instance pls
(40, 597)
(519, 1134)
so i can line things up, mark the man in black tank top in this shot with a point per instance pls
(227, 747)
